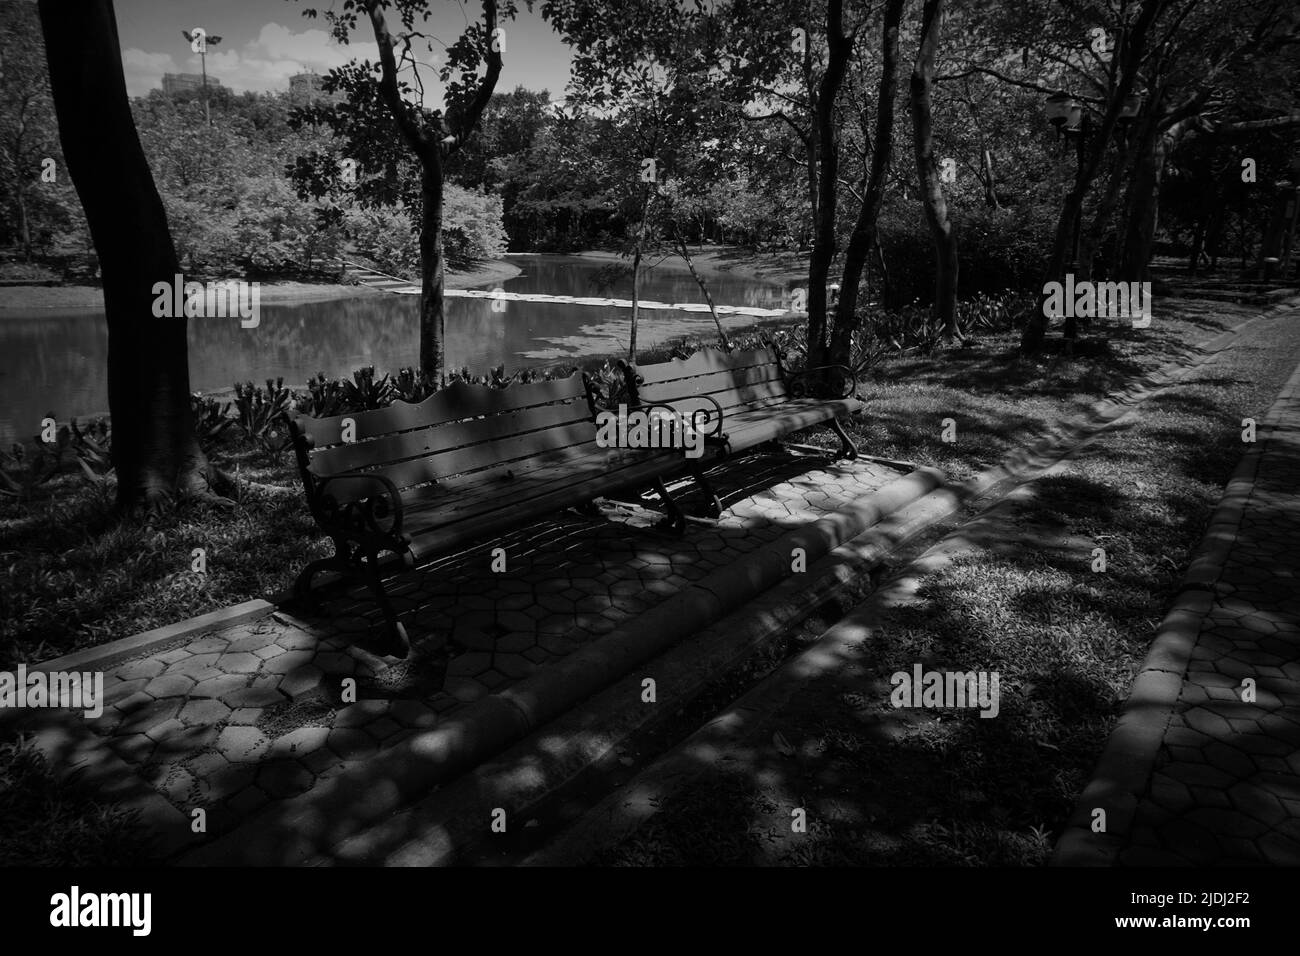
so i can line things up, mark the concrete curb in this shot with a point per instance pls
(362, 795)
(1124, 769)
(105, 656)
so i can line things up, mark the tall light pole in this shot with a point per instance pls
(199, 40)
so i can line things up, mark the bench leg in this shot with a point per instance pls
(302, 585)
(400, 644)
(675, 521)
(715, 503)
(847, 448)
(587, 509)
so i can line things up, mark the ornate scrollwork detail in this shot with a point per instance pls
(801, 384)
(371, 519)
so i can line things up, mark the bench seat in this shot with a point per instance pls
(757, 400)
(467, 463)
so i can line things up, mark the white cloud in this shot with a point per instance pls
(144, 71)
(263, 63)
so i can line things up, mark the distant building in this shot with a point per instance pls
(306, 88)
(173, 83)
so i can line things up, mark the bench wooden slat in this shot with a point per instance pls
(488, 460)
(436, 527)
(714, 381)
(703, 362)
(728, 398)
(397, 447)
(456, 402)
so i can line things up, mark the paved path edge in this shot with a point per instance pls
(1129, 757)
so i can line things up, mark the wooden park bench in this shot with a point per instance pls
(470, 461)
(759, 399)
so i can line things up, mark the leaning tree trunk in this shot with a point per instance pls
(155, 451)
(433, 275)
(936, 208)
(864, 229)
(685, 253)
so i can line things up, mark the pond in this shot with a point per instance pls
(56, 363)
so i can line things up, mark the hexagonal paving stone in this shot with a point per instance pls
(155, 712)
(169, 685)
(204, 712)
(360, 713)
(469, 664)
(412, 713)
(350, 744)
(147, 667)
(264, 696)
(299, 743)
(245, 716)
(289, 661)
(164, 729)
(302, 680)
(464, 689)
(281, 779)
(219, 686)
(383, 728)
(207, 645)
(239, 663)
(242, 743)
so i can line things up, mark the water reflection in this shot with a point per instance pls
(56, 363)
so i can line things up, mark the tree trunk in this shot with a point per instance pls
(636, 276)
(864, 229)
(1144, 211)
(840, 46)
(154, 448)
(699, 280)
(433, 317)
(24, 227)
(990, 180)
(936, 208)
(1089, 161)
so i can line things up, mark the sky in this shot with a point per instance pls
(264, 42)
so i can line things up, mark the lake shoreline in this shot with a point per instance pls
(90, 298)
(789, 269)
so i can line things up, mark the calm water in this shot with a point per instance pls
(56, 363)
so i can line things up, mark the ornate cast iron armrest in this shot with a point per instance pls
(361, 519)
(800, 388)
(714, 418)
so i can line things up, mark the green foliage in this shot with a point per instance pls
(472, 226)
(45, 821)
(211, 419)
(365, 392)
(262, 413)
(93, 447)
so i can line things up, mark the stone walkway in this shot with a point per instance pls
(1226, 784)
(256, 713)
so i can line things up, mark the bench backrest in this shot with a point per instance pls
(737, 380)
(461, 435)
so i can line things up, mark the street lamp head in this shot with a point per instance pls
(1064, 111)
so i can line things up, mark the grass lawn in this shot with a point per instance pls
(75, 576)
(947, 787)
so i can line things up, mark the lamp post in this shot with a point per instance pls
(199, 39)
